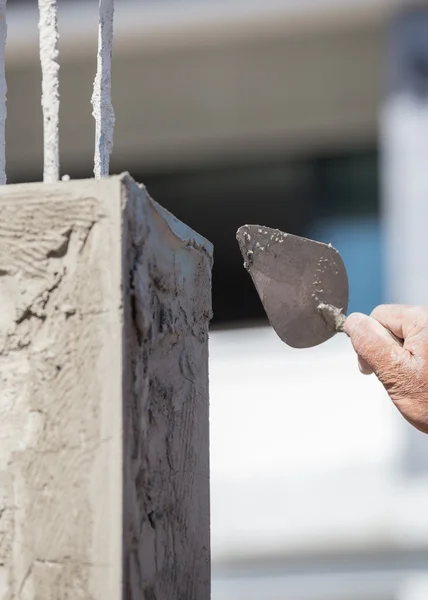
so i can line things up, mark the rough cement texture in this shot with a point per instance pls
(104, 487)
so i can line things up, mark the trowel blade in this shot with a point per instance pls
(294, 276)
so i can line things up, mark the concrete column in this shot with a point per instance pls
(404, 160)
(104, 475)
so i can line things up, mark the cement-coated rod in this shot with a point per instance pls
(48, 31)
(103, 111)
(337, 319)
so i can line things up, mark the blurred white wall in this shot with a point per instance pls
(307, 460)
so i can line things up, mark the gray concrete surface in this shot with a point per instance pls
(104, 475)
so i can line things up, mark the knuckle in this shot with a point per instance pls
(419, 315)
(381, 309)
(416, 327)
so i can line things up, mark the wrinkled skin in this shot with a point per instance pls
(401, 366)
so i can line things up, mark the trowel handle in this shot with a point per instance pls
(335, 318)
(396, 339)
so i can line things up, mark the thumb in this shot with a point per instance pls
(375, 346)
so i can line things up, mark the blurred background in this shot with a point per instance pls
(310, 116)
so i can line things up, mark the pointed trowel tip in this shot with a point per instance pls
(244, 240)
(242, 234)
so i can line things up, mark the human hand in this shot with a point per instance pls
(401, 365)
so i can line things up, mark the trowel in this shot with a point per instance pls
(302, 284)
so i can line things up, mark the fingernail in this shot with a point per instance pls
(352, 321)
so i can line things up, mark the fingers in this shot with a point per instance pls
(398, 318)
(393, 343)
(373, 343)
(408, 323)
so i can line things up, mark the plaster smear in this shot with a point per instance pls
(167, 306)
(3, 91)
(103, 111)
(51, 341)
(48, 28)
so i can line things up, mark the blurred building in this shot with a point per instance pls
(230, 111)
(293, 114)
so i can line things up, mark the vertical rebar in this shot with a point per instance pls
(103, 111)
(3, 91)
(48, 28)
